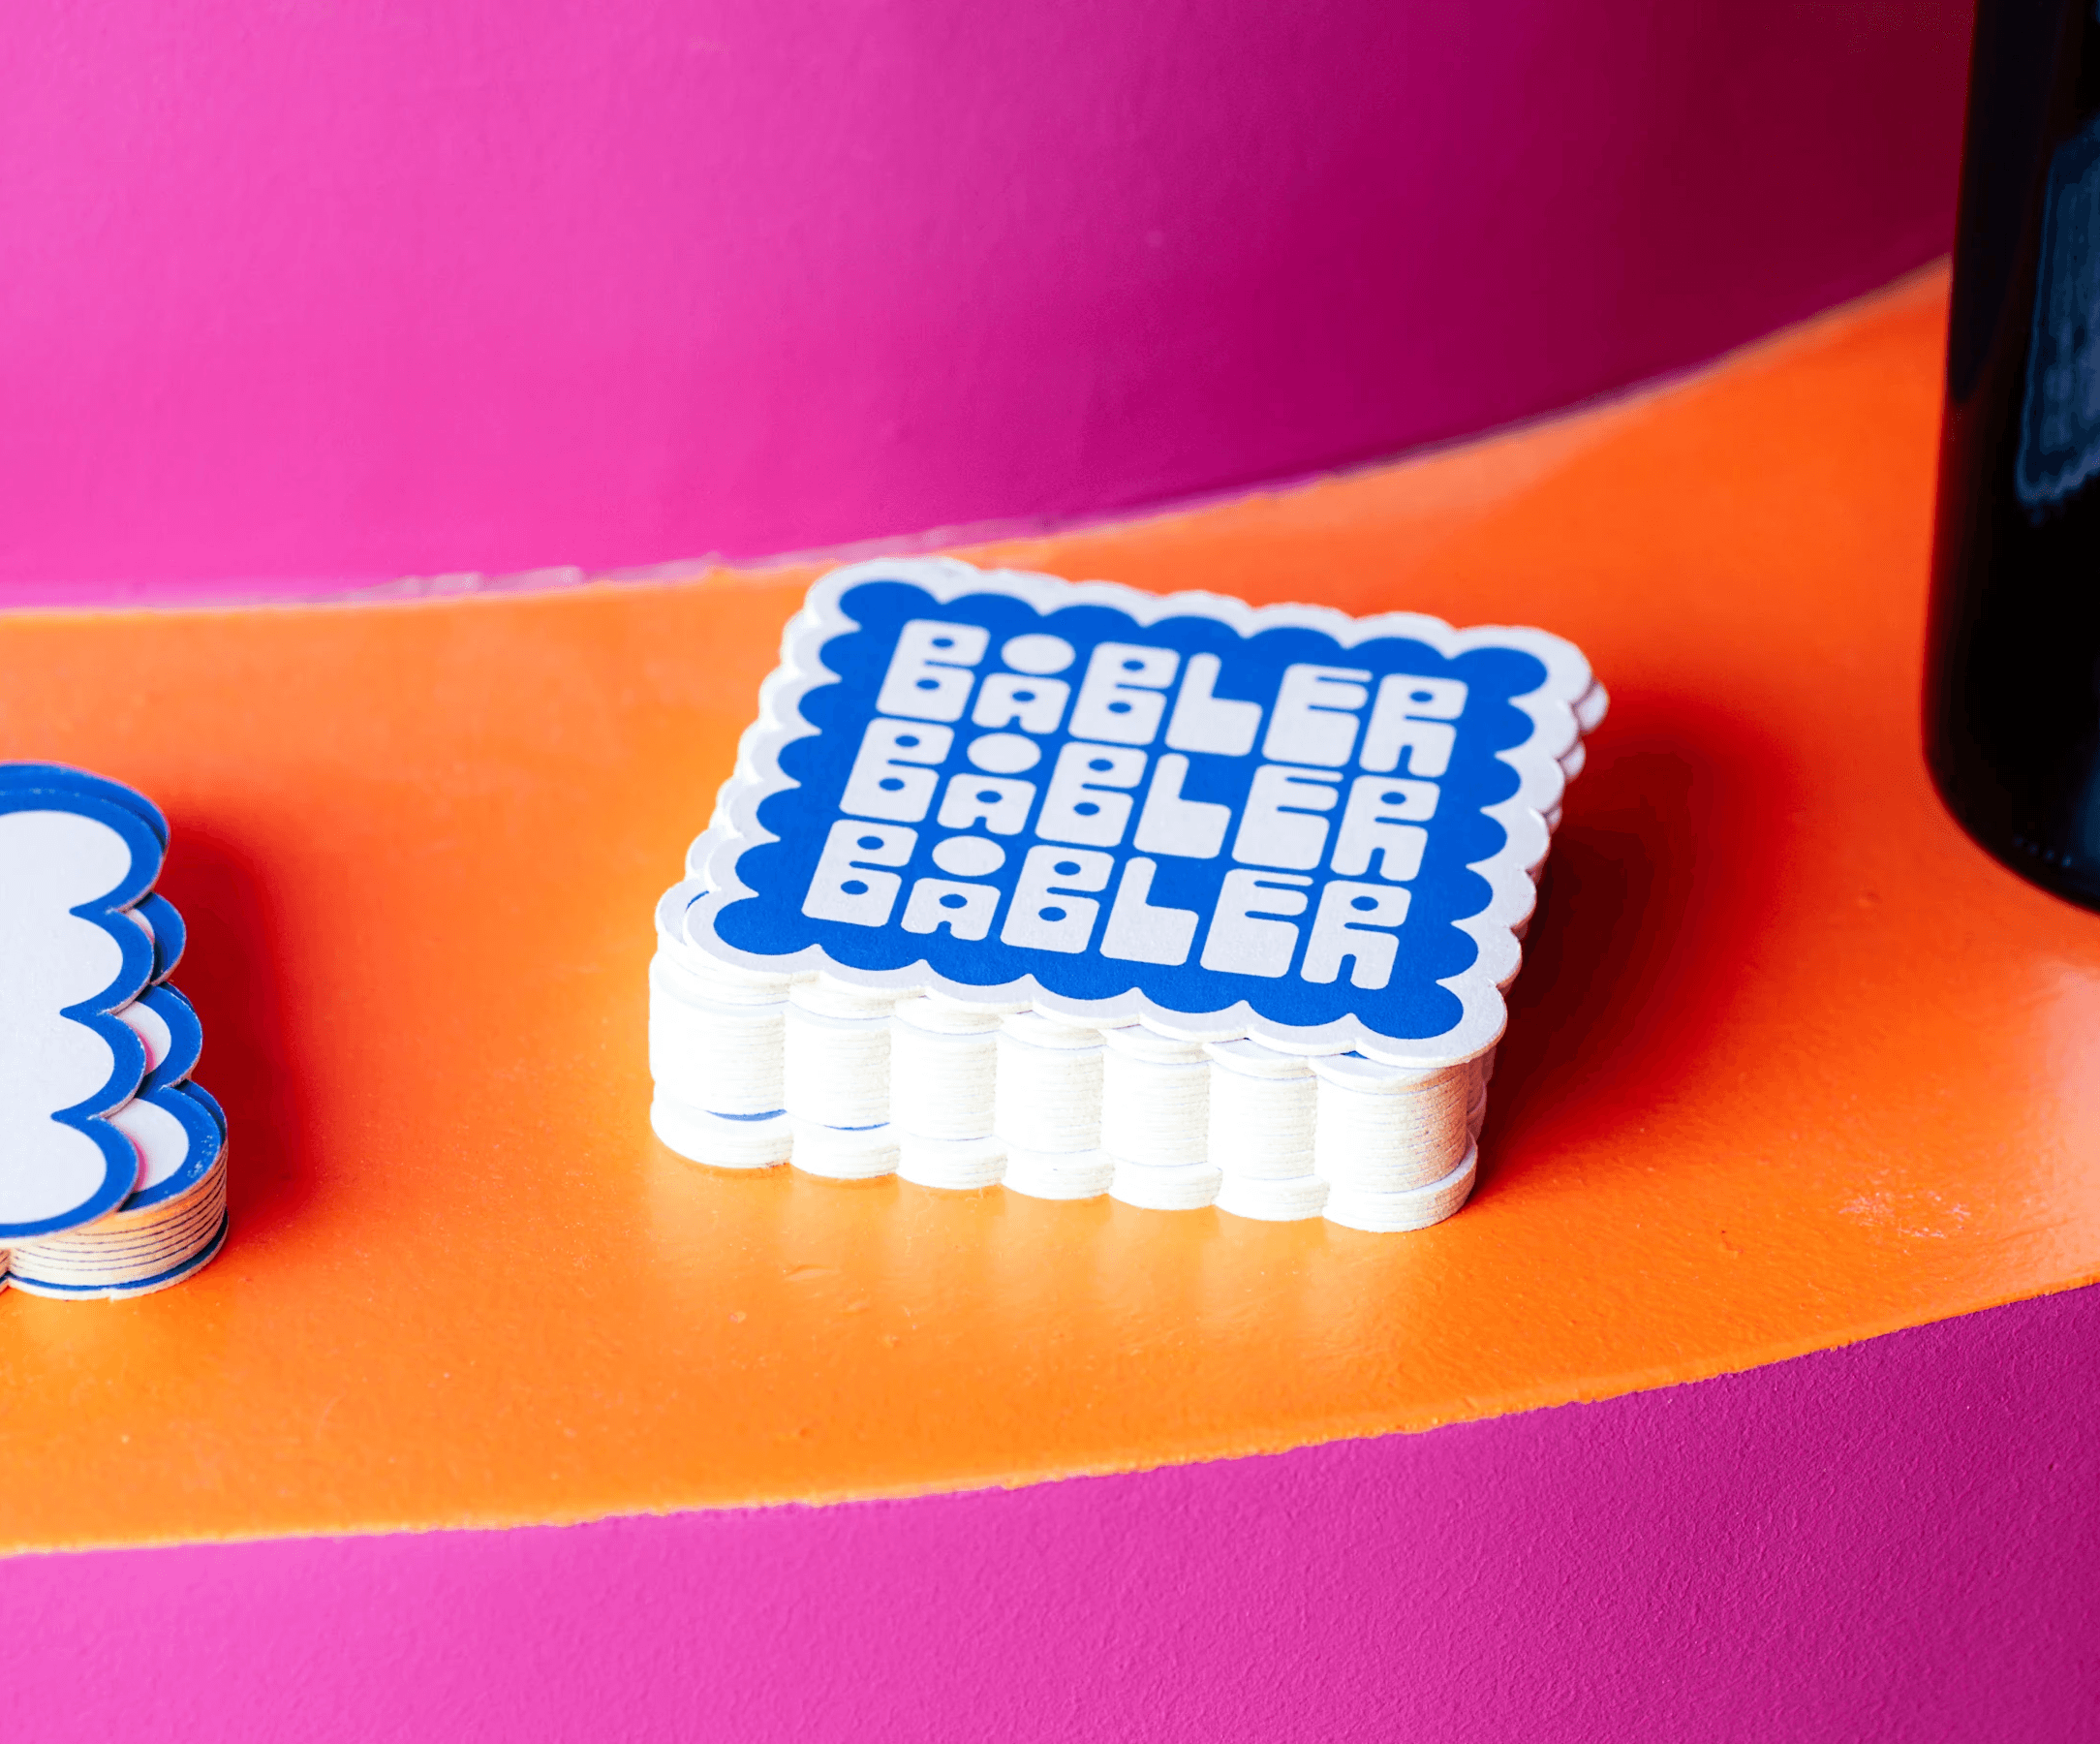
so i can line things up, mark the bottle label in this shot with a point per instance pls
(2059, 435)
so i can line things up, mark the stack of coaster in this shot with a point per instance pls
(1086, 890)
(113, 1162)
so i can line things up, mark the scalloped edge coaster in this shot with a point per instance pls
(166, 1230)
(1172, 815)
(73, 861)
(1281, 731)
(160, 1212)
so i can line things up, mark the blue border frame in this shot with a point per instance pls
(64, 778)
(170, 932)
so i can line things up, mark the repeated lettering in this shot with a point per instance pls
(1156, 768)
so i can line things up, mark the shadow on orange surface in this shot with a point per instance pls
(1650, 900)
(230, 973)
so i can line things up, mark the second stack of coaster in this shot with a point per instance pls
(1079, 889)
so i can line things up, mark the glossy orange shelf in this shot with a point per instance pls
(1791, 1062)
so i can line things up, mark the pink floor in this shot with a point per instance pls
(1898, 1540)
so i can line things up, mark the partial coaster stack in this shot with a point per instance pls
(113, 1164)
(1086, 891)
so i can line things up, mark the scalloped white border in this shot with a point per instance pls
(1512, 894)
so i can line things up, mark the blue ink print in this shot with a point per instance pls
(1281, 822)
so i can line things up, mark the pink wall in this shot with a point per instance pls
(1896, 1541)
(317, 293)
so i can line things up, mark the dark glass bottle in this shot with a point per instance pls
(2013, 680)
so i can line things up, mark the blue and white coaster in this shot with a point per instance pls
(167, 931)
(169, 1228)
(1076, 886)
(113, 1165)
(717, 1050)
(71, 863)
(153, 911)
(168, 1025)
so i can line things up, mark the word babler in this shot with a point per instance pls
(1123, 776)
(1086, 890)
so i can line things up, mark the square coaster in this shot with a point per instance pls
(1222, 821)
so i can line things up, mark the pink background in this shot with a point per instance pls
(1896, 1541)
(301, 295)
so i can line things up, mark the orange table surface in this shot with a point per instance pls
(1790, 1063)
